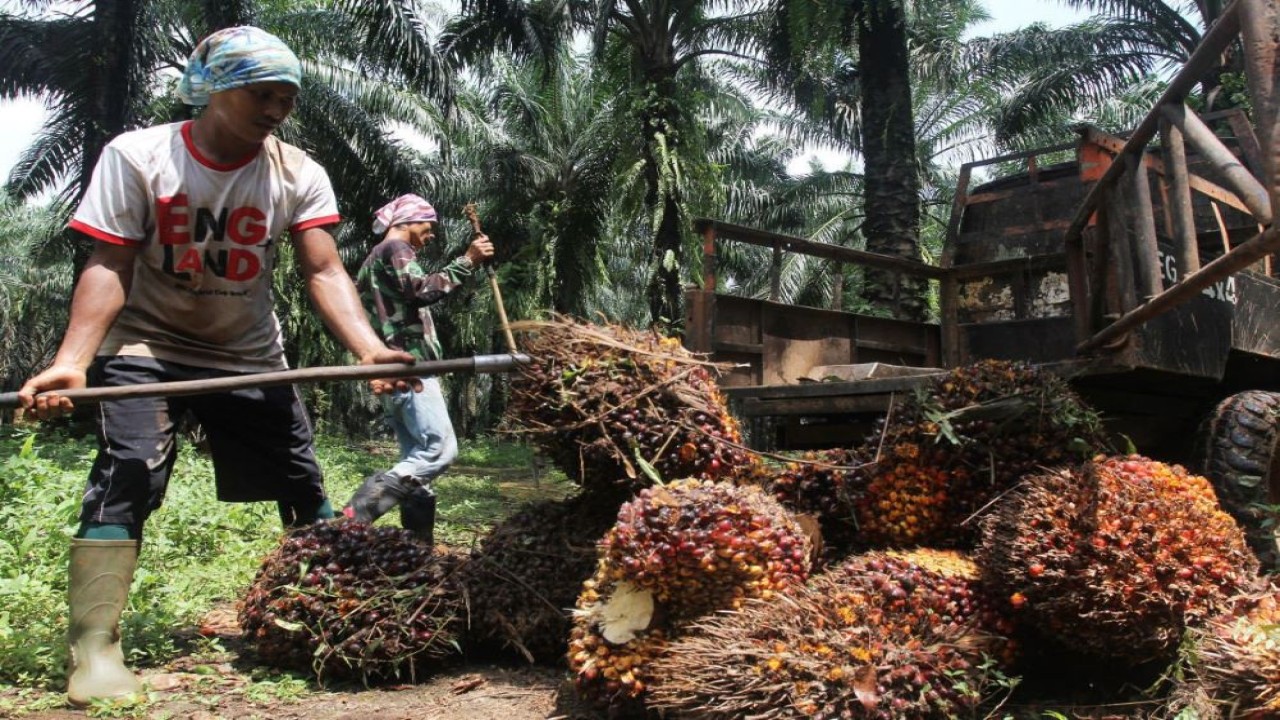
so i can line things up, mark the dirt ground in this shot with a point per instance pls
(485, 693)
(225, 685)
(221, 686)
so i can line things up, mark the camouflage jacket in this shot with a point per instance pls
(396, 293)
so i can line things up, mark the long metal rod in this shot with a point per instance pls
(480, 364)
(1238, 259)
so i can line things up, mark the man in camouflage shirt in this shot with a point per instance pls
(397, 294)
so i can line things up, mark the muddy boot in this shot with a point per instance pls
(376, 496)
(101, 572)
(418, 514)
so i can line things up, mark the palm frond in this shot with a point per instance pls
(394, 43)
(54, 154)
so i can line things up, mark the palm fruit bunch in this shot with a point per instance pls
(955, 445)
(818, 484)
(700, 546)
(529, 570)
(612, 668)
(1233, 665)
(347, 601)
(616, 407)
(906, 499)
(1115, 559)
(676, 553)
(881, 636)
(992, 617)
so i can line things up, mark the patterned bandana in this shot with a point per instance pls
(236, 57)
(404, 209)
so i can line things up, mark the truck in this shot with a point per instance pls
(1144, 273)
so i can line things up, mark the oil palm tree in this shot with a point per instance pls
(367, 65)
(825, 205)
(654, 51)
(548, 163)
(35, 280)
(1101, 67)
(850, 67)
(665, 52)
(89, 101)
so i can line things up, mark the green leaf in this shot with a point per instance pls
(649, 470)
(290, 626)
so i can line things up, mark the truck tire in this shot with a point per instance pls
(1237, 451)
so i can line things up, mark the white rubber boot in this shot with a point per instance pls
(101, 572)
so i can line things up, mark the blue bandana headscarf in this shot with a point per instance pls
(236, 57)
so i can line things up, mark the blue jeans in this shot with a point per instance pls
(420, 420)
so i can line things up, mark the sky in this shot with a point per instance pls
(21, 119)
(1012, 14)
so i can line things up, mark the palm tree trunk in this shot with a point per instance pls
(892, 195)
(221, 14)
(111, 77)
(660, 120)
(666, 298)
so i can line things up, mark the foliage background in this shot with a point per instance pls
(198, 553)
(588, 140)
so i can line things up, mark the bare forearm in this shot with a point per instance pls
(338, 304)
(99, 296)
(336, 300)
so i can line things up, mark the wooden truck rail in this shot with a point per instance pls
(1065, 266)
(1258, 186)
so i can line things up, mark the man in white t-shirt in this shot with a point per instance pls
(186, 218)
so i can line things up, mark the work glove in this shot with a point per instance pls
(377, 495)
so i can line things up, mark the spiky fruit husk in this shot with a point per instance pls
(954, 446)
(906, 499)
(612, 406)
(700, 546)
(818, 484)
(346, 601)
(1233, 665)
(614, 675)
(529, 570)
(878, 637)
(992, 616)
(693, 547)
(1115, 559)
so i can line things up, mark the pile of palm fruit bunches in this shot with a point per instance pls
(348, 602)
(914, 573)
(616, 409)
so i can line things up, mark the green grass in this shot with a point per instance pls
(197, 553)
(495, 453)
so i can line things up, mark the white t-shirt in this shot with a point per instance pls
(201, 292)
